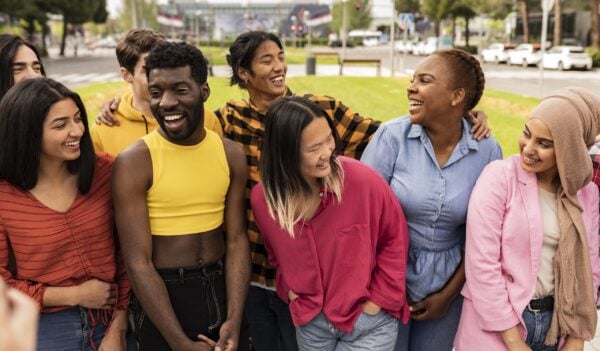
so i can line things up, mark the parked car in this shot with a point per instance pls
(338, 44)
(496, 52)
(107, 42)
(567, 57)
(403, 46)
(524, 54)
(431, 45)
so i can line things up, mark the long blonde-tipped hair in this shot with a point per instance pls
(286, 191)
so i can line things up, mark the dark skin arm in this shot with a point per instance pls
(435, 305)
(131, 178)
(480, 128)
(237, 256)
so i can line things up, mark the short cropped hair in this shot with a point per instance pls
(174, 55)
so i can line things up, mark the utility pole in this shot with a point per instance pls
(134, 16)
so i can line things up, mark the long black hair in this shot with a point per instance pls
(22, 113)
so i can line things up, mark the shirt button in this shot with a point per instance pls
(321, 194)
(510, 278)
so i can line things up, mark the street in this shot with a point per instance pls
(101, 66)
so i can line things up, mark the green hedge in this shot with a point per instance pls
(470, 49)
(595, 54)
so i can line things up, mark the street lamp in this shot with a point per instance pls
(307, 23)
(294, 26)
(198, 13)
(344, 27)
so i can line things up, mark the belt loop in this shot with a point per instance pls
(181, 281)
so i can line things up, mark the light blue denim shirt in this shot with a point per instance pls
(434, 199)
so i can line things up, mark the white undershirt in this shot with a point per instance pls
(545, 278)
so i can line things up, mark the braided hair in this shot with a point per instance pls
(466, 73)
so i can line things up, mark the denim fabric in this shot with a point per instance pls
(271, 327)
(434, 199)
(198, 299)
(69, 330)
(370, 332)
(431, 334)
(537, 324)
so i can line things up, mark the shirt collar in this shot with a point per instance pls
(417, 131)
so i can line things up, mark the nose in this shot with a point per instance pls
(76, 129)
(411, 87)
(167, 101)
(30, 73)
(528, 147)
(279, 65)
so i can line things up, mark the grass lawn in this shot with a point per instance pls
(380, 98)
(217, 55)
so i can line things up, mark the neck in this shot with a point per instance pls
(141, 105)
(54, 172)
(548, 181)
(446, 135)
(260, 100)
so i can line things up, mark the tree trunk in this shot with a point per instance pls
(64, 37)
(467, 31)
(525, 20)
(557, 23)
(595, 34)
(436, 27)
(453, 29)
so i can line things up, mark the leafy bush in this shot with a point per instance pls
(595, 54)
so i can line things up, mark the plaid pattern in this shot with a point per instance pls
(595, 154)
(244, 124)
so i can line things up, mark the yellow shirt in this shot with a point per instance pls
(134, 125)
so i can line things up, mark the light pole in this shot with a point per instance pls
(294, 26)
(198, 13)
(306, 22)
(392, 38)
(344, 26)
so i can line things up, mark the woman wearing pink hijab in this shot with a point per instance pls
(531, 258)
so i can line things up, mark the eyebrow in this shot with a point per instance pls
(321, 142)
(426, 75)
(542, 139)
(25, 63)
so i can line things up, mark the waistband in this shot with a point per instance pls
(542, 304)
(182, 273)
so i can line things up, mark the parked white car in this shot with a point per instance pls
(431, 45)
(524, 54)
(567, 57)
(496, 52)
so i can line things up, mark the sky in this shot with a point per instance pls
(381, 8)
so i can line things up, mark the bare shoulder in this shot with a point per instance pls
(133, 163)
(232, 150)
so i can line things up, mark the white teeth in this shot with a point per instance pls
(529, 160)
(72, 143)
(277, 80)
(172, 117)
(414, 103)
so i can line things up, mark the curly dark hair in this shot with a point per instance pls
(466, 73)
(241, 53)
(174, 55)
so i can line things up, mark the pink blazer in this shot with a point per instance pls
(503, 247)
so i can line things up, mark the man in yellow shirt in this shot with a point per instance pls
(133, 115)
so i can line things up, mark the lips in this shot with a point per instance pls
(530, 161)
(278, 81)
(414, 105)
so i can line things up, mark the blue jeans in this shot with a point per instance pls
(431, 334)
(370, 332)
(537, 324)
(270, 322)
(71, 330)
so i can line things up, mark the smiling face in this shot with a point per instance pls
(266, 79)
(430, 94)
(25, 64)
(537, 150)
(62, 131)
(177, 103)
(316, 147)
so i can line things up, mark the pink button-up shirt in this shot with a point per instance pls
(348, 253)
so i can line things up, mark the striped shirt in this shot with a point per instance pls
(245, 124)
(61, 249)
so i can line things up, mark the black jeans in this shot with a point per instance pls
(198, 297)
(271, 327)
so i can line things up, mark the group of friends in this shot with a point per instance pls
(288, 222)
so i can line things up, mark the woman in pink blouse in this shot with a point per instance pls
(532, 260)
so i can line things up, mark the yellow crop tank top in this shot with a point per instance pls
(189, 185)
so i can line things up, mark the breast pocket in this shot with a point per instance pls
(353, 244)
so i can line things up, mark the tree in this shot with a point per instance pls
(411, 6)
(436, 11)
(524, 9)
(359, 15)
(465, 11)
(556, 39)
(595, 30)
(145, 12)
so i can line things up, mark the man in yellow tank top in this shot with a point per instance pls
(179, 196)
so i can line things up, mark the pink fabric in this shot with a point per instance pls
(504, 242)
(348, 253)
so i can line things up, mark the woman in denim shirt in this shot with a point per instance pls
(431, 162)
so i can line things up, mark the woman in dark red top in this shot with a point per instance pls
(56, 219)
